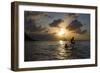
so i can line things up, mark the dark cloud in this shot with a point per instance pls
(33, 28)
(73, 14)
(30, 21)
(40, 36)
(75, 26)
(34, 15)
(37, 28)
(56, 23)
(46, 15)
(84, 31)
(79, 31)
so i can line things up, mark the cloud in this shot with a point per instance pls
(76, 26)
(80, 31)
(56, 23)
(33, 28)
(34, 15)
(70, 16)
(30, 21)
(40, 36)
(73, 15)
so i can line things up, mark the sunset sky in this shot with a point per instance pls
(55, 25)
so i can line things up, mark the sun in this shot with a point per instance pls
(61, 32)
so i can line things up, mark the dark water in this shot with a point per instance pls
(55, 50)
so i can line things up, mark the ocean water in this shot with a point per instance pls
(56, 50)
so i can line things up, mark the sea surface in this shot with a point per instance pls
(56, 50)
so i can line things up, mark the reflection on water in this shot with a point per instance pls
(62, 52)
(55, 50)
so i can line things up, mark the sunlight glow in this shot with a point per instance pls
(61, 42)
(61, 32)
